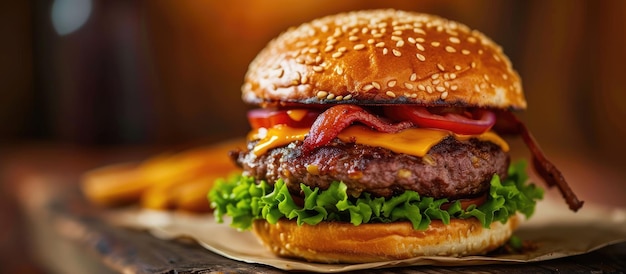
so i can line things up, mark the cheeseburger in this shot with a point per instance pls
(376, 137)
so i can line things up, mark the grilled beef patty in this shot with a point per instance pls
(452, 169)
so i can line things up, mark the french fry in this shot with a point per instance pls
(193, 195)
(192, 184)
(168, 181)
(114, 185)
(192, 171)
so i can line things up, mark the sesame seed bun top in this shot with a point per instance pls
(383, 57)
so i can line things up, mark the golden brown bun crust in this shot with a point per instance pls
(383, 57)
(333, 242)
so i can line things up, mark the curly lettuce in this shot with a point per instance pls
(245, 201)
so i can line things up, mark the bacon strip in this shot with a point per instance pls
(335, 119)
(545, 169)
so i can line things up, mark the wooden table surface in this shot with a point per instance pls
(68, 236)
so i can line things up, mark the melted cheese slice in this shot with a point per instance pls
(412, 141)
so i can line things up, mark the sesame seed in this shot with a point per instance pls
(342, 49)
(377, 35)
(371, 41)
(359, 47)
(421, 87)
(397, 32)
(454, 87)
(353, 38)
(420, 31)
(322, 94)
(457, 67)
(324, 28)
(347, 97)
(414, 95)
(420, 40)
(329, 48)
(300, 44)
(413, 77)
(434, 76)
(305, 79)
(408, 85)
(391, 94)
(400, 43)
(309, 60)
(376, 85)
(313, 50)
(453, 75)
(486, 77)
(396, 38)
(420, 57)
(496, 57)
(473, 65)
(440, 67)
(444, 95)
(454, 40)
(465, 52)
(411, 40)
(315, 42)
(331, 41)
(318, 68)
(380, 44)
(339, 70)
(339, 98)
(419, 46)
(504, 76)
(435, 44)
(368, 87)
(436, 81)
(453, 33)
(330, 96)
(440, 88)
(337, 54)
(392, 83)
(480, 51)
(337, 32)
(476, 88)
(396, 52)
(429, 89)
(450, 49)
(471, 39)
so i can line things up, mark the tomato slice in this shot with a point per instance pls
(267, 118)
(469, 122)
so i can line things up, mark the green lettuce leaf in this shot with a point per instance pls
(244, 200)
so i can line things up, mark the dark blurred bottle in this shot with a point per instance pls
(92, 75)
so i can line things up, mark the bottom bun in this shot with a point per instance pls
(335, 242)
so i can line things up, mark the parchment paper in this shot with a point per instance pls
(555, 230)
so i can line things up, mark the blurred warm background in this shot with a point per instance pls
(111, 73)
